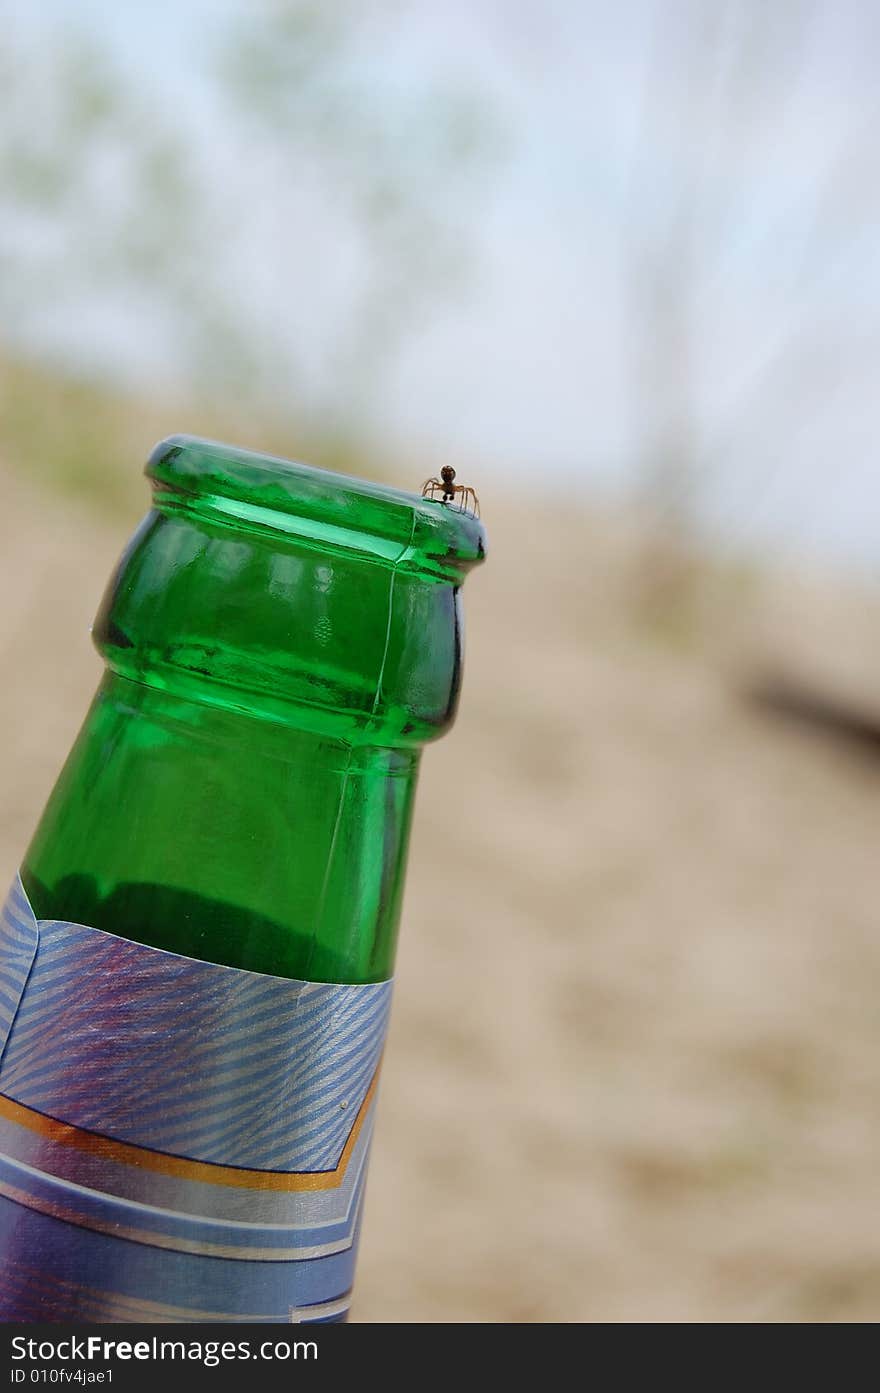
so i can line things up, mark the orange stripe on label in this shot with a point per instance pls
(66, 1134)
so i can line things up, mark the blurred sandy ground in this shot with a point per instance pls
(635, 1054)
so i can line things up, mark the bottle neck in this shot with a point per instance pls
(224, 836)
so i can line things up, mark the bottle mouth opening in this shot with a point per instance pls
(254, 491)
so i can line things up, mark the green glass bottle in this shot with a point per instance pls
(195, 963)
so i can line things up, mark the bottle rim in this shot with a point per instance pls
(256, 491)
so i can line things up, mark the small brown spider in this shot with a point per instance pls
(468, 502)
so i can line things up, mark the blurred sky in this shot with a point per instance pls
(673, 239)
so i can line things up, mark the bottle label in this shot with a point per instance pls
(178, 1140)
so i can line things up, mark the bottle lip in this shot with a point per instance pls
(266, 492)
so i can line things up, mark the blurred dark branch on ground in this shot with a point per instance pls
(790, 699)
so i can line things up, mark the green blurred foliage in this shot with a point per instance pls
(106, 198)
(90, 180)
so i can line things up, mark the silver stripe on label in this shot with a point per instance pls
(73, 1215)
(299, 1314)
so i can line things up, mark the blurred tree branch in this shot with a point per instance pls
(718, 77)
(720, 90)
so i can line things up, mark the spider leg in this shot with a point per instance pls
(471, 502)
(461, 496)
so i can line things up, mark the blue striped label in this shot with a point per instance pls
(178, 1140)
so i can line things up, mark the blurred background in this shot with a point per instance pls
(619, 265)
